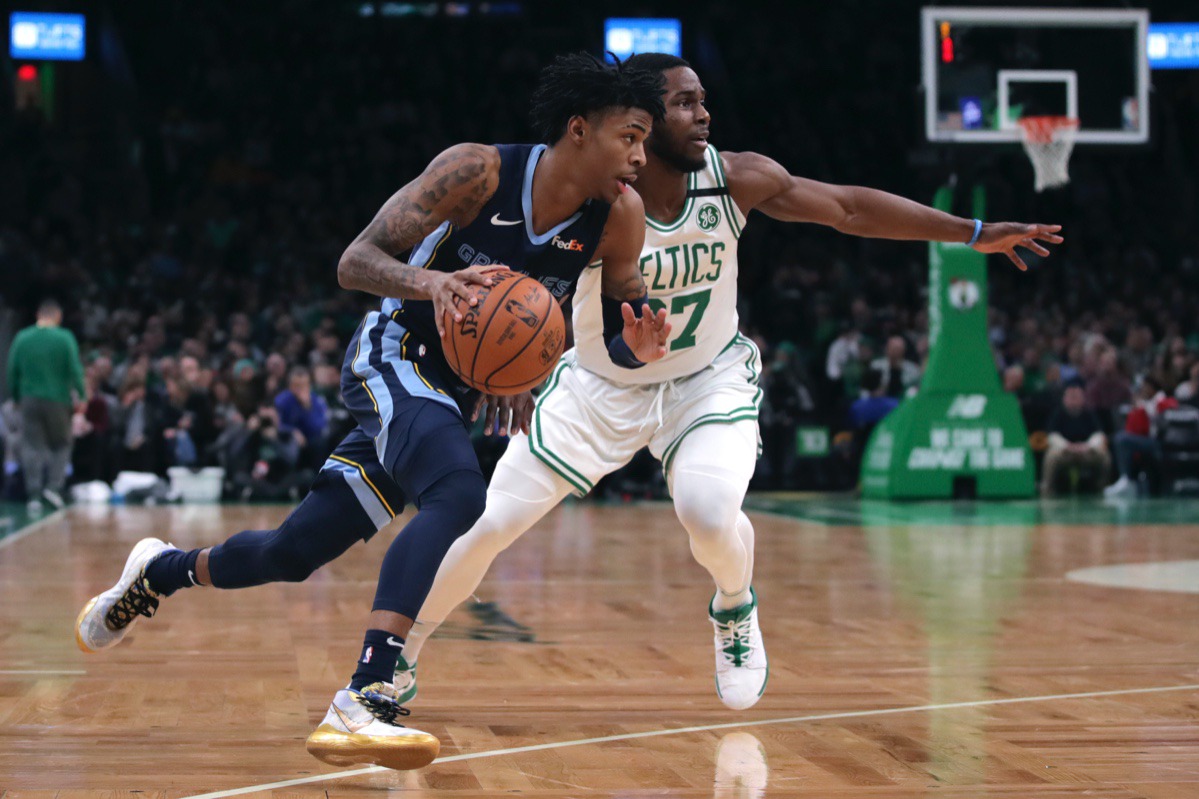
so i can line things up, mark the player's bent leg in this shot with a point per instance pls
(448, 509)
(709, 477)
(322, 527)
(522, 491)
(432, 461)
(332, 517)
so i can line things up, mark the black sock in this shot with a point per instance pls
(378, 661)
(172, 570)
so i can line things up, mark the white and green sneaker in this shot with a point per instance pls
(741, 665)
(404, 681)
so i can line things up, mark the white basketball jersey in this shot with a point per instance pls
(690, 269)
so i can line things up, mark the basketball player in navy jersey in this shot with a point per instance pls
(547, 210)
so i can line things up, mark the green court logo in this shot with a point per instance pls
(708, 217)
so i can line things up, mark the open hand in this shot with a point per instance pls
(646, 334)
(505, 413)
(451, 285)
(1004, 237)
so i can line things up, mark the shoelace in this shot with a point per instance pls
(735, 639)
(138, 600)
(376, 699)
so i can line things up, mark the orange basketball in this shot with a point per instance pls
(510, 341)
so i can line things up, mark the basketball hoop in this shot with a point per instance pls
(1048, 142)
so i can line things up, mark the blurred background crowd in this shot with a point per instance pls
(188, 202)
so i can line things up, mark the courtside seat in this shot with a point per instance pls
(1178, 432)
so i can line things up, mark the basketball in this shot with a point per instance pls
(510, 341)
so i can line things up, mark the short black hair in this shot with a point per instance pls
(48, 306)
(654, 62)
(872, 380)
(579, 84)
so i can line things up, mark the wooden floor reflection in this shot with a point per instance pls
(908, 660)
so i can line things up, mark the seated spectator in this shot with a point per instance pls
(1108, 389)
(899, 375)
(1138, 438)
(1188, 390)
(1075, 440)
(304, 415)
(92, 426)
(874, 404)
(135, 425)
(266, 466)
(199, 407)
(864, 415)
(843, 352)
(248, 387)
(275, 375)
(786, 400)
(1042, 401)
(178, 446)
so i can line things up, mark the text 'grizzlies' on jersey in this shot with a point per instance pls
(403, 332)
(690, 269)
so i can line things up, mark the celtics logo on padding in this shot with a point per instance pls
(708, 217)
(963, 294)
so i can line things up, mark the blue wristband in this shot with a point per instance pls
(978, 228)
(621, 355)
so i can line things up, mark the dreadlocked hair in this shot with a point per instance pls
(579, 84)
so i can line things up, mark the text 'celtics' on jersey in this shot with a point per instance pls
(690, 269)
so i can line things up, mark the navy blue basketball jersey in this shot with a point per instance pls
(502, 233)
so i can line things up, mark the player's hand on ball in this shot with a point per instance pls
(505, 414)
(646, 334)
(458, 284)
(1004, 237)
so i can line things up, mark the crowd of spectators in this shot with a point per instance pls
(190, 218)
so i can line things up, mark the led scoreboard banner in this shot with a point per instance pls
(625, 36)
(46, 37)
(1173, 45)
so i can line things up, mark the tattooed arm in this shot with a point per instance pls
(644, 331)
(452, 188)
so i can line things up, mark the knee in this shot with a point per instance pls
(459, 499)
(288, 562)
(707, 507)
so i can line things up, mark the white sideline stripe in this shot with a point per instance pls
(704, 728)
(42, 671)
(29, 529)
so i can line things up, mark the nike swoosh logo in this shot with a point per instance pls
(495, 220)
(191, 575)
(393, 642)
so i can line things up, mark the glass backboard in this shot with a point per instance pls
(985, 68)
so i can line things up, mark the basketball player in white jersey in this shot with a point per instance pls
(697, 407)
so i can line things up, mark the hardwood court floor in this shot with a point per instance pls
(924, 651)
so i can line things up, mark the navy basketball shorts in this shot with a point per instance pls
(410, 433)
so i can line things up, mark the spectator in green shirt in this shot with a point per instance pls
(43, 369)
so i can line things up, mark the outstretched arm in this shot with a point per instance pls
(758, 182)
(452, 188)
(635, 334)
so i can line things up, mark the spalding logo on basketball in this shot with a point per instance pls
(510, 341)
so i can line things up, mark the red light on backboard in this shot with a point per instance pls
(947, 51)
(27, 72)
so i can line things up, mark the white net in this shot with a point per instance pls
(1048, 142)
